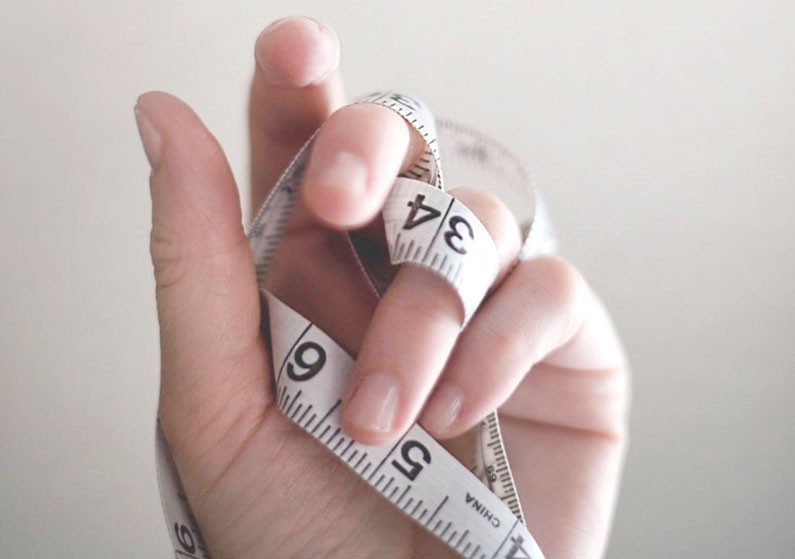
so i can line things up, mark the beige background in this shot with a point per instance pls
(662, 133)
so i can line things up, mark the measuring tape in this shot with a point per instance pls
(475, 511)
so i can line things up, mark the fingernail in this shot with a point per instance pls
(443, 408)
(304, 55)
(150, 138)
(343, 172)
(372, 407)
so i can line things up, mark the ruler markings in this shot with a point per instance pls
(319, 423)
(505, 539)
(441, 225)
(303, 415)
(334, 434)
(295, 399)
(388, 454)
(348, 447)
(403, 495)
(286, 401)
(338, 445)
(419, 504)
(361, 458)
(309, 421)
(444, 501)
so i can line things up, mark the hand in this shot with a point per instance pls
(259, 486)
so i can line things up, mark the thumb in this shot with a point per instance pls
(214, 371)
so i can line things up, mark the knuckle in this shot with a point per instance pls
(421, 292)
(176, 256)
(504, 341)
(167, 258)
(559, 282)
(496, 217)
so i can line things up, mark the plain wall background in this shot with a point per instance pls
(662, 134)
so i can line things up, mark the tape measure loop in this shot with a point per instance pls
(430, 228)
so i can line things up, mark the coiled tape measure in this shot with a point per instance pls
(475, 511)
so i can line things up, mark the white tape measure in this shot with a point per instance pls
(474, 511)
(427, 227)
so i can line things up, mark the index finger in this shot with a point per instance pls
(295, 87)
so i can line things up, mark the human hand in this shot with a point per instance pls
(258, 485)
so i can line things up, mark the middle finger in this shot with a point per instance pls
(412, 334)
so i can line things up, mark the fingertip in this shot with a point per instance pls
(147, 97)
(297, 52)
(147, 110)
(370, 408)
(173, 117)
(151, 138)
(156, 102)
(442, 412)
(191, 184)
(337, 195)
(370, 437)
(354, 162)
(367, 437)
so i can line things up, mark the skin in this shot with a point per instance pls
(541, 347)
